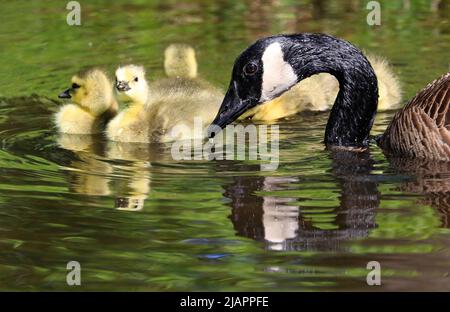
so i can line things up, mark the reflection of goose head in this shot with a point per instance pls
(180, 61)
(267, 218)
(280, 220)
(288, 223)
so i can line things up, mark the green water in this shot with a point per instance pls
(313, 224)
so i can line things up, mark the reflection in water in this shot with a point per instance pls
(133, 177)
(134, 189)
(126, 171)
(280, 221)
(126, 165)
(86, 173)
(431, 179)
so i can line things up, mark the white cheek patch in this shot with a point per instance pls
(278, 75)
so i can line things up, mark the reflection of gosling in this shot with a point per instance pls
(180, 61)
(87, 173)
(318, 93)
(136, 189)
(156, 109)
(132, 183)
(78, 142)
(129, 151)
(93, 104)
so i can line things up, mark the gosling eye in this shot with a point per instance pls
(75, 86)
(136, 79)
(250, 68)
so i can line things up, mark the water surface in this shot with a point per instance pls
(136, 219)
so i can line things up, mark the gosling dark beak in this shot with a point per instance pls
(65, 94)
(232, 107)
(122, 86)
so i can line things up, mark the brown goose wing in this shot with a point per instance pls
(422, 128)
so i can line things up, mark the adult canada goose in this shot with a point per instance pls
(318, 93)
(273, 65)
(93, 104)
(422, 128)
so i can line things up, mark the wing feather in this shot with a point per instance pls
(422, 128)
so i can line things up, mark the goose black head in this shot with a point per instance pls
(260, 74)
(273, 65)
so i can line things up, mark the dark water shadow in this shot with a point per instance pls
(280, 222)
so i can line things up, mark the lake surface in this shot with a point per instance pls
(136, 219)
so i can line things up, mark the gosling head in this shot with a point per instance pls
(92, 90)
(131, 85)
(180, 61)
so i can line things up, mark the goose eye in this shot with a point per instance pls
(136, 79)
(250, 69)
(75, 86)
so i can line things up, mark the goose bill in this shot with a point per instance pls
(232, 107)
(65, 94)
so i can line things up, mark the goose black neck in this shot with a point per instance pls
(354, 109)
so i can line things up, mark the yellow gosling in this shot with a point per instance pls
(93, 104)
(180, 61)
(131, 124)
(156, 109)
